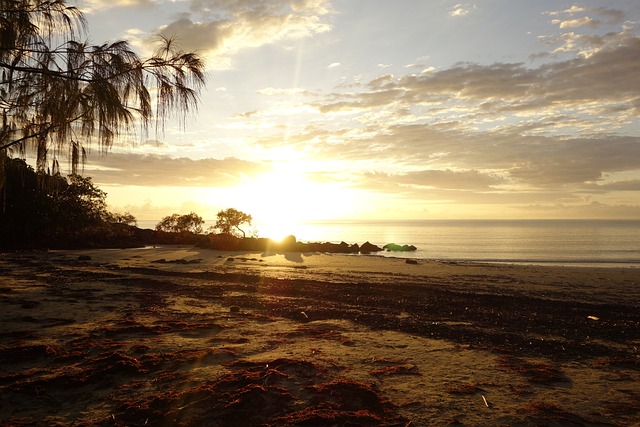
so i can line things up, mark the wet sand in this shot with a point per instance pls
(184, 336)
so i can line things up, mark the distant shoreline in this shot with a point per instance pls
(580, 243)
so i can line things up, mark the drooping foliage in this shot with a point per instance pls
(44, 210)
(59, 94)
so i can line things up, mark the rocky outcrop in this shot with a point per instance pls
(392, 247)
(368, 248)
(288, 244)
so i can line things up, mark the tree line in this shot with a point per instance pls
(228, 222)
(43, 210)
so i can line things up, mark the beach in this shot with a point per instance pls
(177, 335)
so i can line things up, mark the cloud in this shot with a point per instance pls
(483, 160)
(433, 178)
(613, 16)
(462, 192)
(91, 6)
(558, 129)
(586, 45)
(447, 178)
(159, 171)
(461, 10)
(155, 143)
(573, 23)
(622, 185)
(583, 90)
(217, 28)
(580, 162)
(569, 18)
(199, 36)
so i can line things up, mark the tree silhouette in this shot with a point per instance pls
(71, 212)
(230, 219)
(59, 94)
(176, 223)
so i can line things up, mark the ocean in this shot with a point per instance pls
(608, 243)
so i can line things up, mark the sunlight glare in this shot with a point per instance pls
(282, 199)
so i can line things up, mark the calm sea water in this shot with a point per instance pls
(557, 242)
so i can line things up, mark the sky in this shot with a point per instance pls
(411, 109)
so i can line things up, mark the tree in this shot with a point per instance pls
(58, 93)
(79, 203)
(124, 218)
(181, 223)
(42, 210)
(231, 219)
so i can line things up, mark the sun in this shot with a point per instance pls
(283, 199)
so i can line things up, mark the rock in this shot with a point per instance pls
(367, 248)
(392, 247)
(234, 309)
(230, 259)
(288, 243)
(84, 258)
(159, 261)
(411, 261)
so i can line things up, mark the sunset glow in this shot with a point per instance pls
(324, 110)
(280, 200)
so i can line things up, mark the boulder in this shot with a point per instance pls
(392, 247)
(288, 243)
(343, 248)
(368, 248)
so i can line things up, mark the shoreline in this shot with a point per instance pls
(587, 263)
(220, 338)
(524, 262)
(376, 268)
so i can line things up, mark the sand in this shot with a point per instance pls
(184, 336)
